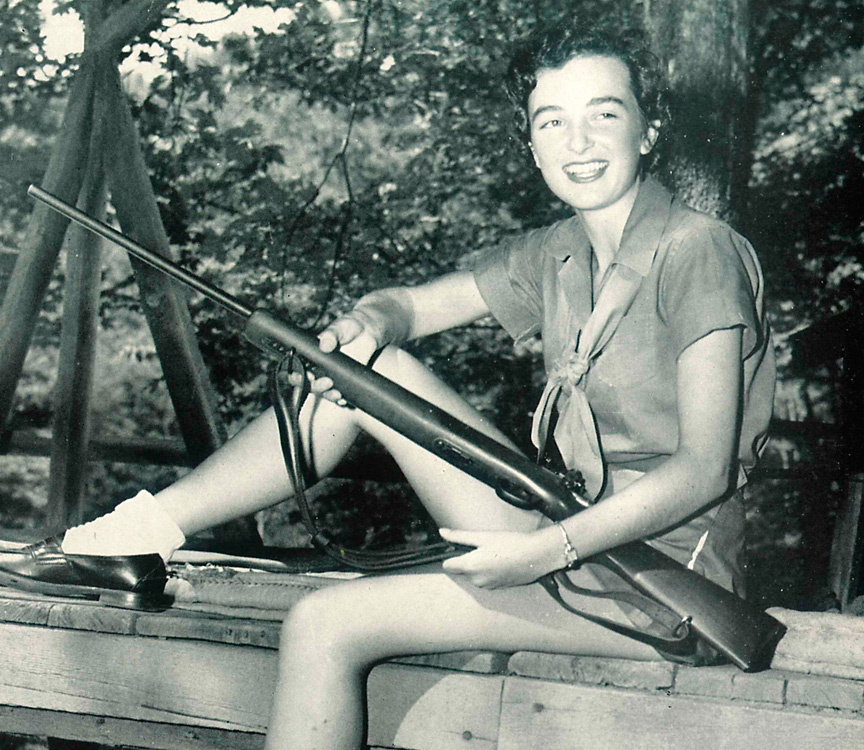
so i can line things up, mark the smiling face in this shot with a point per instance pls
(588, 134)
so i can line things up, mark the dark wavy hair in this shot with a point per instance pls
(554, 47)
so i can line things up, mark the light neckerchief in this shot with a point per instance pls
(575, 431)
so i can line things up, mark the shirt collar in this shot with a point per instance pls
(642, 232)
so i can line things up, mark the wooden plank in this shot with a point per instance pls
(217, 629)
(164, 304)
(45, 232)
(191, 683)
(7, 263)
(540, 715)
(24, 609)
(162, 300)
(111, 732)
(146, 450)
(432, 709)
(147, 679)
(68, 613)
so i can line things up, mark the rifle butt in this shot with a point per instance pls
(743, 633)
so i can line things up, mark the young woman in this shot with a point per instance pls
(660, 387)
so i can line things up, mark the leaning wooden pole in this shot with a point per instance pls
(164, 303)
(73, 393)
(44, 239)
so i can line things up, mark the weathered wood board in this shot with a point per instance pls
(539, 715)
(431, 709)
(111, 732)
(152, 679)
(193, 680)
(61, 677)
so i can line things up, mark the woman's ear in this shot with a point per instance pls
(650, 136)
(533, 154)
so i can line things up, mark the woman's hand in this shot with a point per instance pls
(504, 558)
(349, 335)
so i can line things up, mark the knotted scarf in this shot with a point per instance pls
(576, 431)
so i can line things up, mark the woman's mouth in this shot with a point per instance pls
(585, 171)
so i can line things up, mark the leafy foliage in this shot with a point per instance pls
(807, 185)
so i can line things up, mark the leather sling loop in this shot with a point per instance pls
(288, 421)
(676, 632)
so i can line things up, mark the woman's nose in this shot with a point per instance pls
(579, 138)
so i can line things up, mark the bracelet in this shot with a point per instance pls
(570, 553)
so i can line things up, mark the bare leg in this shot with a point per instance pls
(248, 473)
(332, 637)
(320, 701)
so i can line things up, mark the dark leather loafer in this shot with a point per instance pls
(131, 581)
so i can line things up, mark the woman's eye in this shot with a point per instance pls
(607, 116)
(550, 124)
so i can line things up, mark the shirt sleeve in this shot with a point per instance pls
(509, 278)
(710, 282)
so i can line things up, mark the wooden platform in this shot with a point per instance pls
(191, 680)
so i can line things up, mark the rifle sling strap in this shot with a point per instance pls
(288, 421)
(674, 633)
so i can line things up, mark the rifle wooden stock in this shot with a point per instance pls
(744, 634)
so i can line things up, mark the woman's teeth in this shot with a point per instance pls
(585, 172)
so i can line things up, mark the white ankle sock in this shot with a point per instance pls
(136, 526)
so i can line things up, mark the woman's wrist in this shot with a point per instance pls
(387, 314)
(569, 552)
(555, 555)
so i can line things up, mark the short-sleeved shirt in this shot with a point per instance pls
(699, 276)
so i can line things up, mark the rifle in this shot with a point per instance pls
(744, 634)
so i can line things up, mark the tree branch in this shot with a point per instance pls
(126, 23)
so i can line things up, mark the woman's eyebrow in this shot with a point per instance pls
(600, 100)
(546, 108)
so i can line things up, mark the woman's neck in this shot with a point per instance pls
(605, 228)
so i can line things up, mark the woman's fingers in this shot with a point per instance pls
(340, 332)
(468, 538)
(354, 342)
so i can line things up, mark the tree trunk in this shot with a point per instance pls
(704, 46)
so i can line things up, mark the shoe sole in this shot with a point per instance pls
(108, 597)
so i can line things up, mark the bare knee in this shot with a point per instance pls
(311, 623)
(395, 363)
(323, 627)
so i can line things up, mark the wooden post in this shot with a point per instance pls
(846, 558)
(45, 233)
(844, 571)
(73, 391)
(163, 301)
(7, 263)
(824, 343)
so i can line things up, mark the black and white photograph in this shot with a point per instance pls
(431, 374)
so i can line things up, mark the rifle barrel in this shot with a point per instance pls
(221, 297)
